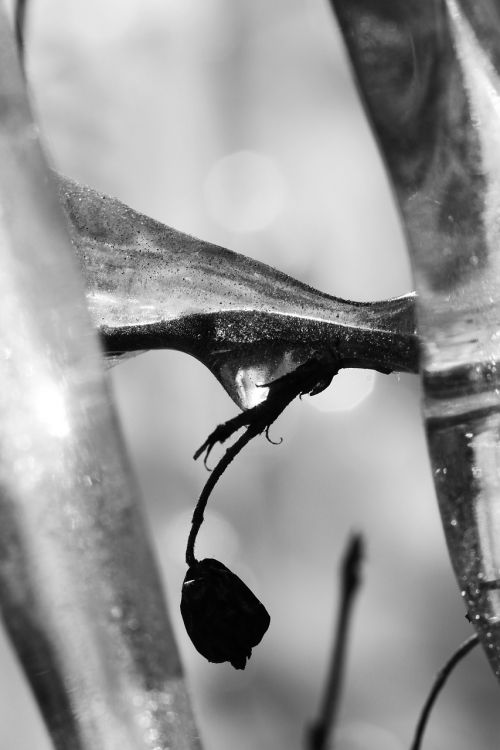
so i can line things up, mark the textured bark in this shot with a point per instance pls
(150, 286)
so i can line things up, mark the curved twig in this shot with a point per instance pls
(439, 682)
(152, 287)
(311, 377)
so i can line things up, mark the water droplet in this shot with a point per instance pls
(249, 383)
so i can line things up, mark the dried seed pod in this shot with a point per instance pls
(223, 618)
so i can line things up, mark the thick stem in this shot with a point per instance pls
(80, 593)
(151, 287)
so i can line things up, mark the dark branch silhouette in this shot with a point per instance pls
(310, 378)
(20, 26)
(322, 729)
(439, 682)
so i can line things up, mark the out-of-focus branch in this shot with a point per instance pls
(312, 377)
(79, 590)
(319, 734)
(150, 287)
(20, 26)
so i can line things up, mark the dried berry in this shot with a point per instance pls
(223, 618)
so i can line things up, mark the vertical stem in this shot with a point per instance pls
(322, 729)
(20, 26)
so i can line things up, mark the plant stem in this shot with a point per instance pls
(311, 377)
(320, 732)
(20, 24)
(439, 682)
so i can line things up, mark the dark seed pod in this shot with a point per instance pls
(223, 618)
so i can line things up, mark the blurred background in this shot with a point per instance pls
(238, 122)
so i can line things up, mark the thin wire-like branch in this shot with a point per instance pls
(214, 477)
(439, 682)
(311, 377)
(20, 25)
(322, 729)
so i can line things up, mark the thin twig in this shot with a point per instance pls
(311, 377)
(439, 682)
(214, 477)
(20, 24)
(322, 729)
